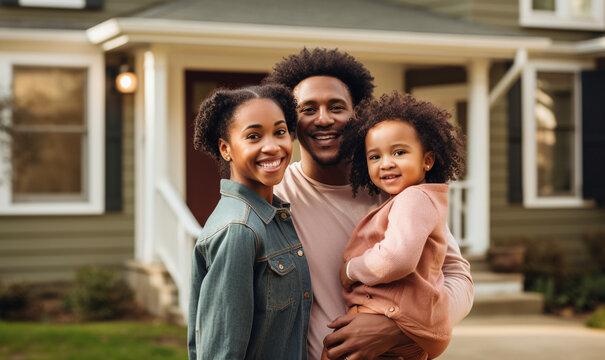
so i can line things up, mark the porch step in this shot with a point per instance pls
(174, 315)
(501, 293)
(524, 303)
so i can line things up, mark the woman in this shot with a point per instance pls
(250, 283)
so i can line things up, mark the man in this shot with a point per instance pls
(327, 85)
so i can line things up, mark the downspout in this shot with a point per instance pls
(509, 78)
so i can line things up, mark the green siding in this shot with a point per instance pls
(50, 248)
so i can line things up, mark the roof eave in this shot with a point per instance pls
(119, 31)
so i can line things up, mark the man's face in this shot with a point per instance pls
(324, 106)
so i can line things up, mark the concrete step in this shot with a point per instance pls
(174, 315)
(501, 293)
(523, 303)
(490, 283)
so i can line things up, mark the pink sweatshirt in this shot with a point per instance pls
(397, 252)
(325, 217)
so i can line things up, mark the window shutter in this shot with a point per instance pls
(593, 134)
(515, 161)
(94, 4)
(113, 141)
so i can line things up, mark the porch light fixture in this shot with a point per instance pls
(126, 81)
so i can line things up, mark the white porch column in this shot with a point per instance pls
(477, 211)
(154, 148)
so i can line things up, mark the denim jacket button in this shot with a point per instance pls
(300, 253)
(283, 215)
(307, 295)
(281, 267)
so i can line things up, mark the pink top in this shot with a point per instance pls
(397, 252)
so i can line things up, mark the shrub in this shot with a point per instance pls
(585, 292)
(597, 320)
(14, 298)
(595, 246)
(545, 262)
(99, 293)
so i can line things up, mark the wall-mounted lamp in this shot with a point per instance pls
(126, 80)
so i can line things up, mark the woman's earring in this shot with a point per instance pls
(228, 158)
(428, 167)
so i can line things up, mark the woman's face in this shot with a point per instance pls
(259, 146)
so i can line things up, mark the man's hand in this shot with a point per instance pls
(347, 283)
(363, 336)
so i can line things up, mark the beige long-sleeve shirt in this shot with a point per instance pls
(325, 217)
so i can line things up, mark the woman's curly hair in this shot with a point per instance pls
(216, 114)
(323, 62)
(436, 133)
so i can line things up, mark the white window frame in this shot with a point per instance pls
(531, 199)
(562, 18)
(67, 4)
(94, 157)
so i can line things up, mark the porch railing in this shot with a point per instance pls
(456, 214)
(177, 231)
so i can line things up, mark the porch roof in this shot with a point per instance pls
(382, 15)
(373, 27)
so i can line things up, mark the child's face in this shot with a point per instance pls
(395, 156)
(259, 146)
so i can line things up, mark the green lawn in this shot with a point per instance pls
(99, 340)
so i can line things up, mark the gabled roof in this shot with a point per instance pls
(341, 14)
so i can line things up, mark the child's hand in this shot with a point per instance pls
(347, 283)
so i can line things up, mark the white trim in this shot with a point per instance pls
(293, 37)
(95, 116)
(530, 195)
(562, 17)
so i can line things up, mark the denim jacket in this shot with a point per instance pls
(250, 284)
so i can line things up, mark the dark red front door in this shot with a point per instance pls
(202, 172)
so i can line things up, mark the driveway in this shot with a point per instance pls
(534, 337)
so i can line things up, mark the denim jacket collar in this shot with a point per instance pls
(262, 208)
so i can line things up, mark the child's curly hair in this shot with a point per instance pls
(216, 114)
(323, 62)
(436, 133)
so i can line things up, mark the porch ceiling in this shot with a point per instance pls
(379, 28)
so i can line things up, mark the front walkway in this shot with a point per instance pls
(534, 337)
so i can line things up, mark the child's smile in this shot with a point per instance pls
(395, 156)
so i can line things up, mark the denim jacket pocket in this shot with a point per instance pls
(281, 281)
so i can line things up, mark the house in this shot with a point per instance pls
(110, 177)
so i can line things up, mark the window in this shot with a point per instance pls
(63, 4)
(563, 14)
(53, 159)
(552, 135)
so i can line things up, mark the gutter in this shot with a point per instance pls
(509, 78)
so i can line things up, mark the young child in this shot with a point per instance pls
(392, 263)
(250, 283)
